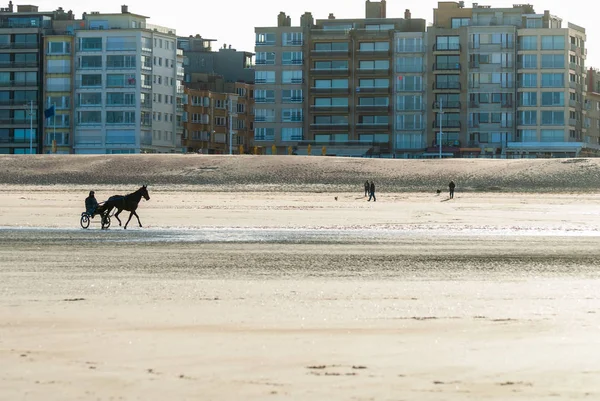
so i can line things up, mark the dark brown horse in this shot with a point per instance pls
(126, 202)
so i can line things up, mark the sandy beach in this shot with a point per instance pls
(270, 288)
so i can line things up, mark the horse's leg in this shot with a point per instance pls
(138, 217)
(130, 214)
(117, 215)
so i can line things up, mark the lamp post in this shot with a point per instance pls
(441, 114)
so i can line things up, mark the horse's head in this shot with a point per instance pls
(144, 191)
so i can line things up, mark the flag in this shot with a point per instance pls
(49, 112)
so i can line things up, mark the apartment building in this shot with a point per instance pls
(517, 80)
(592, 106)
(231, 64)
(21, 74)
(218, 117)
(330, 83)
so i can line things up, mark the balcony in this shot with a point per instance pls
(18, 46)
(90, 48)
(19, 83)
(294, 81)
(372, 107)
(16, 64)
(293, 43)
(373, 89)
(446, 86)
(446, 67)
(330, 90)
(287, 100)
(446, 124)
(410, 49)
(330, 71)
(119, 66)
(264, 119)
(454, 104)
(19, 103)
(260, 44)
(329, 108)
(448, 47)
(490, 126)
(373, 126)
(293, 62)
(374, 53)
(16, 121)
(329, 53)
(491, 46)
(256, 100)
(329, 126)
(572, 122)
(374, 71)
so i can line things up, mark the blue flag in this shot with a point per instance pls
(49, 112)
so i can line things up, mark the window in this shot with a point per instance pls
(444, 63)
(533, 23)
(60, 102)
(552, 135)
(373, 120)
(120, 99)
(263, 77)
(374, 83)
(373, 46)
(292, 134)
(291, 96)
(374, 64)
(119, 43)
(372, 101)
(90, 62)
(458, 22)
(447, 43)
(447, 82)
(331, 83)
(409, 102)
(554, 42)
(120, 80)
(89, 117)
(58, 66)
(553, 80)
(528, 117)
(220, 121)
(409, 121)
(90, 44)
(265, 39)
(292, 77)
(291, 115)
(528, 80)
(380, 27)
(120, 62)
(553, 61)
(331, 120)
(553, 98)
(528, 42)
(331, 65)
(91, 80)
(264, 96)
(409, 64)
(331, 47)
(409, 45)
(409, 141)
(90, 99)
(264, 115)
(553, 117)
(292, 38)
(528, 99)
(219, 104)
(120, 117)
(264, 134)
(527, 135)
(410, 83)
(59, 48)
(331, 102)
(263, 58)
(528, 61)
(450, 100)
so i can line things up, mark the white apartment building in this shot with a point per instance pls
(127, 86)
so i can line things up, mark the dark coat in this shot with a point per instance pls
(372, 188)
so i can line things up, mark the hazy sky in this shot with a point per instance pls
(232, 22)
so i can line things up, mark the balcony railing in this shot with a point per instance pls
(265, 43)
(329, 108)
(258, 100)
(289, 100)
(454, 104)
(329, 126)
(446, 67)
(374, 71)
(447, 124)
(330, 71)
(373, 89)
(16, 64)
(293, 43)
(15, 120)
(19, 45)
(329, 90)
(23, 103)
(372, 107)
(120, 66)
(447, 47)
(446, 85)
(329, 53)
(373, 126)
(19, 83)
(410, 49)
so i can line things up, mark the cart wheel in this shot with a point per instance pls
(85, 221)
(105, 221)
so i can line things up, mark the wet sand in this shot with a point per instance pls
(287, 295)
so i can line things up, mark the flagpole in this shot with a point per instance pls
(31, 127)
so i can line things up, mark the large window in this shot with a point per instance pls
(553, 80)
(447, 82)
(292, 38)
(528, 99)
(528, 80)
(409, 64)
(292, 134)
(120, 43)
(555, 42)
(264, 134)
(528, 61)
(291, 77)
(264, 77)
(120, 62)
(447, 43)
(90, 44)
(552, 117)
(374, 64)
(409, 83)
(120, 117)
(59, 48)
(331, 65)
(263, 58)
(90, 99)
(458, 22)
(553, 61)
(528, 42)
(374, 83)
(553, 98)
(291, 58)
(528, 117)
(552, 135)
(331, 46)
(331, 83)
(409, 102)
(89, 117)
(373, 46)
(265, 39)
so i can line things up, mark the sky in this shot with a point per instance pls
(232, 22)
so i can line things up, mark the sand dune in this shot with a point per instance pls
(303, 173)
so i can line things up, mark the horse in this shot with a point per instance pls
(126, 202)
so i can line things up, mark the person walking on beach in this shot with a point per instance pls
(367, 186)
(372, 192)
(451, 188)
